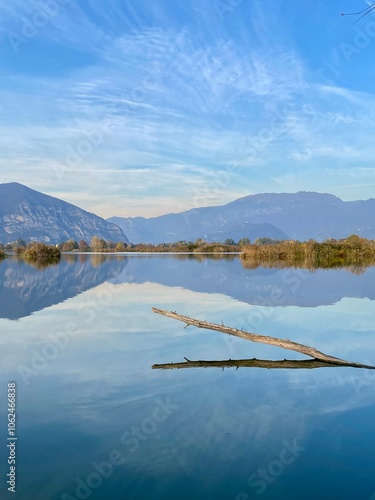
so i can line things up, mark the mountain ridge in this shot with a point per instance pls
(302, 215)
(30, 215)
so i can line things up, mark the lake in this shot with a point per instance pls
(94, 420)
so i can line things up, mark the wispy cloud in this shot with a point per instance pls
(153, 94)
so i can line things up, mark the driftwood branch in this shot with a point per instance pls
(256, 363)
(264, 339)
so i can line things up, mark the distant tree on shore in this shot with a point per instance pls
(229, 241)
(103, 244)
(266, 241)
(120, 247)
(83, 246)
(98, 244)
(69, 246)
(200, 241)
(243, 242)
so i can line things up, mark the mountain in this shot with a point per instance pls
(173, 227)
(299, 216)
(30, 215)
(247, 230)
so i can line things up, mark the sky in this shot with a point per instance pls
(140, 108)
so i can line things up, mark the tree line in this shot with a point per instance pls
(351, 251)
(200, 245)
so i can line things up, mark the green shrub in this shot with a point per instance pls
(41, 253)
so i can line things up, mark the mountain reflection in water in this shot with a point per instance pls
(25, 289)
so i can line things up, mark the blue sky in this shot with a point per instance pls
(128, 108)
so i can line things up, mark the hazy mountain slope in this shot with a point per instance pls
(251, 231)
(30, 215)
(301, 216)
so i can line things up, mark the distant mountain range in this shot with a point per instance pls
(30, 215)
(191, 226)
(300, 216)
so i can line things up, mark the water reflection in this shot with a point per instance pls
(260, 286)
(96, 393)
(25, 289)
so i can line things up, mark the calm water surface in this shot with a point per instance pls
(94, 420)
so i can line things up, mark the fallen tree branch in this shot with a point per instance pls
(256, 363)
(264, 339)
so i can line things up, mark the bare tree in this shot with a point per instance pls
(361, 13)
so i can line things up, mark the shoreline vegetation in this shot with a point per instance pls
(354, 252)
(39, 254)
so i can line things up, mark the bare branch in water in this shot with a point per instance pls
(264, 339)
(256, 363)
